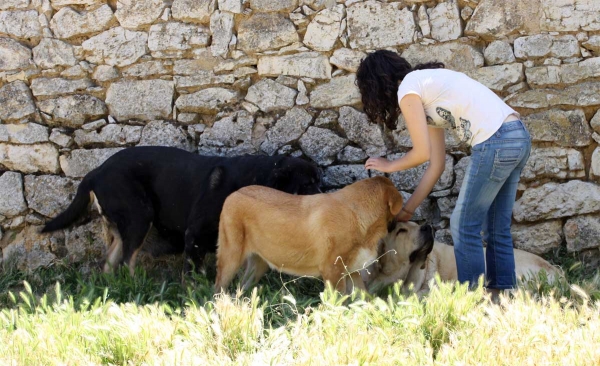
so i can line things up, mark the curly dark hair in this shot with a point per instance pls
(378, 77)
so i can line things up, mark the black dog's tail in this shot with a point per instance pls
(75, 209)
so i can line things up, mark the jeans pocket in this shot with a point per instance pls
(505, 161)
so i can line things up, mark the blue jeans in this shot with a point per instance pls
(485, 202)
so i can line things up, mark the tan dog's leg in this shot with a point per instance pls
(334, 274)
(256, 267)
(115, 251)
(357, 282)
(230, 253)
(133, 259)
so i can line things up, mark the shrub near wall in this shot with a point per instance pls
(82, 79)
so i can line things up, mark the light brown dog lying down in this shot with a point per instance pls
(418, 258)
(330, 235)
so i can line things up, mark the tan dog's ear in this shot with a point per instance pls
(395, 201)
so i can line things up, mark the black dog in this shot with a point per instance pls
(179, 192)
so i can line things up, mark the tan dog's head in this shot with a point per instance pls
(412, 244)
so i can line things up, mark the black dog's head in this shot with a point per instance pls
(295, 176)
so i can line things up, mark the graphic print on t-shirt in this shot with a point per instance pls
(446, 116)
(462, 129)
(465, 127)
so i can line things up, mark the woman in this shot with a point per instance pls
(433, 99)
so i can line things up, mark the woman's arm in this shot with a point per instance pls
(437, 164)
(416, 122)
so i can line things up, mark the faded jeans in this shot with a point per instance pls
(485, 202)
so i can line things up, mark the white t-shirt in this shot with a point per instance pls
(454, 101)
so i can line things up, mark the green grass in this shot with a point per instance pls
(67, 314)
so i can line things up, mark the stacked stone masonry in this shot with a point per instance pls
(82, 79)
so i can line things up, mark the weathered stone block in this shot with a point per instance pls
(16, 102)
(456, 56)
(14, 55)
(554, 162)
(581, 95)
(407, 180)
(446, 206)
(269, 95)
(195, 11)
(172, 39)
(110, 135)
(72, 110)
(322, 145)
(445, 22)
(495, 19)
(347, 59)
(144, 99)
(582, 232)
(538, 238)
(373, 25)
(116, 47)
(498, 52)
(499, 78)
(162, 133)
(340, 91)
(323, 30)
(21, 24)
(147, 69)
(593, 44)
(49, 195)
(265, 31)
(105, 73)
(273, 6)
(351, 154)
(595, 165)
(25, 133)
(343, 175)
(358, 130)
(544, 76)
(43, 87)
(68, 23)
(80, 162)
(14, 4)
(545, 45)
(29, 249)
(553, 200)
(50, 53)
(570, 15)
(221, 27)
(228, 133)
(305, 64)
(135, 14)
(564, 128)
(12, 200)
(287, 129)
(30, 158)
(85, 242)
(208, 101)
(232, 6)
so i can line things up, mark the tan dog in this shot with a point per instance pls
(328, 235)
(412, 255)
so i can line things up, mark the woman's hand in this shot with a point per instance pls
(380, 164)
(404, 216)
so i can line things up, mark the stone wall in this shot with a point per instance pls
(82, 79)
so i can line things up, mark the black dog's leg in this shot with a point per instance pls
(133, 236)
(134, 223)
(195, 250)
